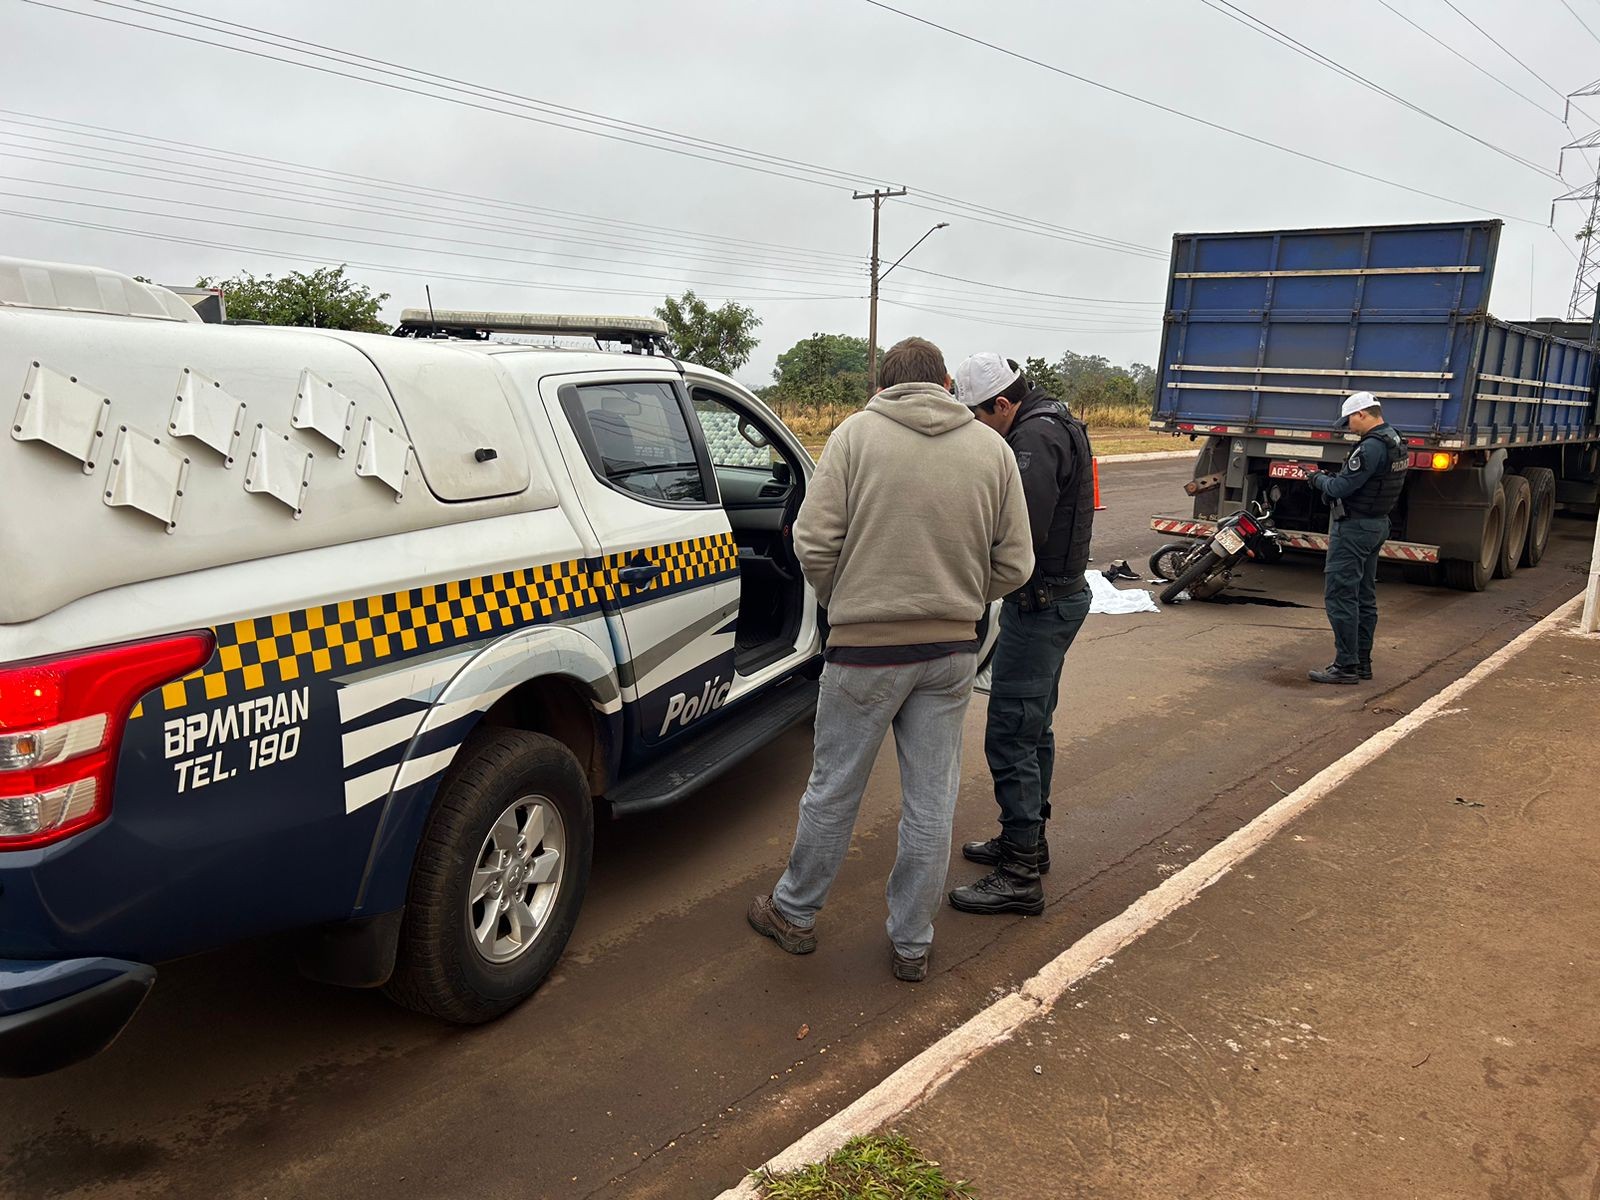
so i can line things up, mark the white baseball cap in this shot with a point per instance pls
(1354, 403)
(983, 377)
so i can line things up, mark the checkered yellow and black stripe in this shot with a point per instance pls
(684, 562)
(269, 652)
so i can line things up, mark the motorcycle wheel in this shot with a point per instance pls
(1168, 562)
(1201, 569)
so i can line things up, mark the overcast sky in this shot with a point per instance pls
(837, 84)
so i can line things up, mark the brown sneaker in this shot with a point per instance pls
(911, 970)
(766, 920)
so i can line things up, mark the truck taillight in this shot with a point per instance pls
(61, 724)
(1434, 460)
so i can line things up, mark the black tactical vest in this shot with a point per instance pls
(1066, 547)
(1378, 496)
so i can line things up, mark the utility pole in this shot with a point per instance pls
(877, 196)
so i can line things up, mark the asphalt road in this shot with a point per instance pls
(664, 1055)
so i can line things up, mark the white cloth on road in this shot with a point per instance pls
(1114, 601)
(1106, 598)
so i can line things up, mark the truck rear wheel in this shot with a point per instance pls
(1473, 575)
(499, 878)
(1541, 511)
(1516, 535)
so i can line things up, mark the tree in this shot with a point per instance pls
(822, 370)
(822, 355)
(321, 299)
(719, 338)
(1045, 375)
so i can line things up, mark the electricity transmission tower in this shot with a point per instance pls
(1585, 282)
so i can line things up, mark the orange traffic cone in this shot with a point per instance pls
(1095, 463)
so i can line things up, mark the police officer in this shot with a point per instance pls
(1362, 496)
(1037, 625)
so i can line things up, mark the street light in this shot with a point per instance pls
(877, 278)
(914, 245)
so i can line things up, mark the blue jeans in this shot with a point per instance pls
(1020, 741)
(925, 703)
(1350, 587)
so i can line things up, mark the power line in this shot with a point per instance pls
(666, 250)
(333, 54)
(147, 141)
(1587, 27)
(1032, 292)
(1570, 251)
(477, 97)
(1452, 6)
(1044, 303)
(353, 241)
(1044, 306)
(1007, 324)
(1148, 103)
(1256, 25)
(322, 176)
(303, 257)
(102, 133)
(847, 178)
(1475, 66)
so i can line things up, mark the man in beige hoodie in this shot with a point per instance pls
(913, 523)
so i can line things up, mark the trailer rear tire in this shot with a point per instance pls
(1420, 574)
(1516, 535)
(1541, 511)
(1473, 575)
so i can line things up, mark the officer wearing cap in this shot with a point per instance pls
(1037, 625)
(1362, 496)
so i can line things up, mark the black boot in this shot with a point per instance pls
(1335, 674)
(988, 853)
(1365, 668)
(1012, 887)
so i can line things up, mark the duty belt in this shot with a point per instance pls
(1037, 593)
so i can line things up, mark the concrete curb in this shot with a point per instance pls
(924, 1074)
(1149, 456)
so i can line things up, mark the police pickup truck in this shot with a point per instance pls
(355, 634)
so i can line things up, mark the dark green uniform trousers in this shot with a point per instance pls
(1350, 587)
(1020, 741)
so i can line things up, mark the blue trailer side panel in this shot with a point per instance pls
(1271, 330)
(1531, 387)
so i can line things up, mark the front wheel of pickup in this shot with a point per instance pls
(499, 878)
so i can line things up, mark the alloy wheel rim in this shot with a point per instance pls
(515, 879)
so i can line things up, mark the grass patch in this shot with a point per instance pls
(1105, 440)
(1113, 416)
(882, 1167)
(1138, 441)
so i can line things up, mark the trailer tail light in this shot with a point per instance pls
(61, 725)
(1249, 527)
(1434, 460)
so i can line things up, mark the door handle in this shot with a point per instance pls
(640, 573)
